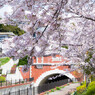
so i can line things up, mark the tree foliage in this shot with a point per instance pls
(65, 27)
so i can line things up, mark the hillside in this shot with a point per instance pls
(10, 28)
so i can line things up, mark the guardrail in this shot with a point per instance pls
(14, 82)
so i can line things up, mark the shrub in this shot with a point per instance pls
(81, 88)
(47, 92)
(92, 78)
(91, 84)
(23, 61)
(58, 88)
(52, 90)
(22, 82)
(82, 83)
(2, 78)
(68, 84)
(63, 86)
(91, 89)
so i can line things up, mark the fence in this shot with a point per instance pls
(39, 89)
(46, 87)
(27, 91)
(14, 82)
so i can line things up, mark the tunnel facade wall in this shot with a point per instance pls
(36, 73)
(48, 73)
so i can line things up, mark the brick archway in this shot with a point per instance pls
(48, 73)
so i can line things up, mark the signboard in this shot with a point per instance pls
(56, 58)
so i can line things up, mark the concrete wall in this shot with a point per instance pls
(13, 89)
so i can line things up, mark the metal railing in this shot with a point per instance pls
(14, 82)
(39, 89)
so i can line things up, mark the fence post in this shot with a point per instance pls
(33, 90)
(27, 91)
(19, 81)
(1, 83)
(11, 81)
(36, 90)
(9, 93)
(15, 81)
(19, 92)
(6, 82)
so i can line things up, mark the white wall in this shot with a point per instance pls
(15, 76)
(7, 67)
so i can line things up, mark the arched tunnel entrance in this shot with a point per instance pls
(53, 81)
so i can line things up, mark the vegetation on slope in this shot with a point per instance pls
(4, 60)
(10, 28)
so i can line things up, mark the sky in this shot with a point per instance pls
(4, 9)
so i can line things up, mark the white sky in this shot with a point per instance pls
(4, 9)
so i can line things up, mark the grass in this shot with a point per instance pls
(68, 84)
(4, 60)
(63, 86)
(58, 88)
(52, 90)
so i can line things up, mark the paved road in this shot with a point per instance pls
(65, 90)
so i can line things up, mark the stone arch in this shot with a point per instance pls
(51, 72)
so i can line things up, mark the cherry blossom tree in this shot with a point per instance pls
(52, 26)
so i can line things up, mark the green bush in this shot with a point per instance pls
(92, 78)
(91, 89)
(82, 83)
(23, 61)
(52, 90)
(22, 82)
(68, 84)
(47, 92)
(58, 88)
(81, 88)
(91, 84)
(2, 78)
(63, 86)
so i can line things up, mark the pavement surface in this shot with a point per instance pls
(65, 90)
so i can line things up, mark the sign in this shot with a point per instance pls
(56, 58)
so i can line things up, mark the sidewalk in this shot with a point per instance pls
(65, 90)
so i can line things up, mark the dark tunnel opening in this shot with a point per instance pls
(53, 81)
(55, 78)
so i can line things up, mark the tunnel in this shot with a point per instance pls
(52, 81)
